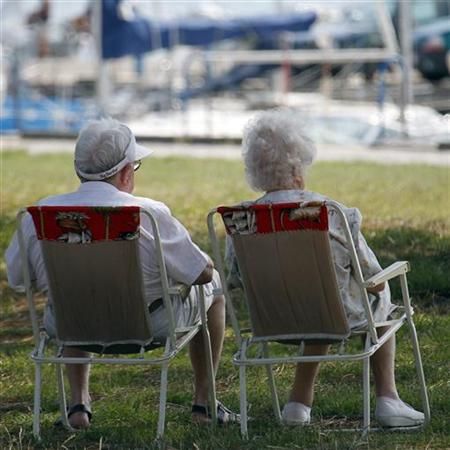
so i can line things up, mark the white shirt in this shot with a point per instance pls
(184, 260)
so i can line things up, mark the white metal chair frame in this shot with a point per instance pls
(372, 341)
(172, 345)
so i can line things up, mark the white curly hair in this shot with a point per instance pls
(275, 149)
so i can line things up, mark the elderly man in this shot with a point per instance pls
(106, 157)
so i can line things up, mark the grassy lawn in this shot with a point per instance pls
(406, 213)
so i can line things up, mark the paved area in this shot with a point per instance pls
(411, 154)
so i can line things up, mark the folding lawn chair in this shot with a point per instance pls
(91, 257)
(285, 260)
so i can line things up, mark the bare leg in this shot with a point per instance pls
(305, 376)
(383, 368)
(390, 411)
(78, 376)
(216, 327)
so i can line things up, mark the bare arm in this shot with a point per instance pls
(207, 274)
(377, 288)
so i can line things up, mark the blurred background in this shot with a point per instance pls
(360, 72)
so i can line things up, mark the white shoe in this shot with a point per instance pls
(296, 414)
(395, 413)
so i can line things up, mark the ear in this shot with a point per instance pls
(126, 174)
(122, 179)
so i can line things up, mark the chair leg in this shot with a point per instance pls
(243, 401)
(243, 393)
(272, 387)
(366, 388)
(366, 394)
(163, 396)
(416, 349)
(37, 400)
(162, 401)
(419, 369)
(62, 395)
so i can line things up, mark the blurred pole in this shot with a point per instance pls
(102, 79)
(286, 69)
(16, 88)
(386, 28)
(156, 6)
(174, 40)
(279, 7)
(406, 46)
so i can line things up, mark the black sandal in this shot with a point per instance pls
(224, 415)
(80, 408)
(72, 410)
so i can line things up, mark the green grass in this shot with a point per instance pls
(406, 216)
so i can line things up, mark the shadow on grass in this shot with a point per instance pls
(428, 253)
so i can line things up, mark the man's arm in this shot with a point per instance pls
(207, 273)
(14, 265)
(185, 262)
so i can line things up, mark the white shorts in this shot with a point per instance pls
(186, 312)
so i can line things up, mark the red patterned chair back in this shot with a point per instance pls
(91, 255)
(284, 257)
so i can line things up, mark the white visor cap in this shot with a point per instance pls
(133, 152)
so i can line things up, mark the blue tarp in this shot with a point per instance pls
(136, 35)
(42, 114)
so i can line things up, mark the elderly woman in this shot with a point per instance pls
(277, 155)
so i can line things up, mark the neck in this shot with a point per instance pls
(296, 183)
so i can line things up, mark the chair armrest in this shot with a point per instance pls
(179, 289)
(394, 270)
